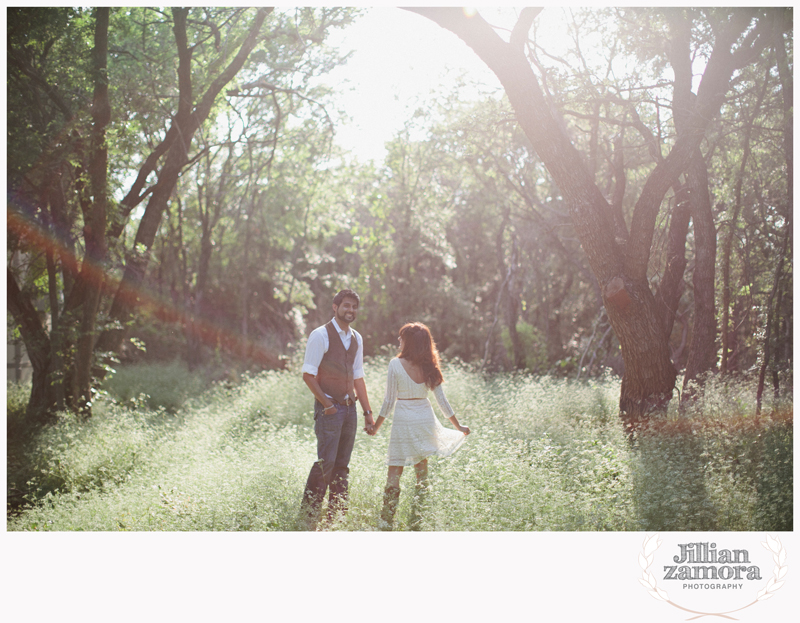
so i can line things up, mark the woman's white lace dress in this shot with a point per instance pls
(416, 431)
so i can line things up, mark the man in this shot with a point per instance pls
(333, 369)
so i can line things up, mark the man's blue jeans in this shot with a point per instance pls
(336, 434)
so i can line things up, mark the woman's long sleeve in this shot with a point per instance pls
(391, 393)
(438, 391)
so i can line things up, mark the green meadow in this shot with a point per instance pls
(170, 450)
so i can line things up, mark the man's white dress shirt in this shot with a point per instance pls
(318, 344)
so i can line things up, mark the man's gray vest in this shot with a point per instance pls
(335, 374)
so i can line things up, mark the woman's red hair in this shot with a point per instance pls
(420, 349)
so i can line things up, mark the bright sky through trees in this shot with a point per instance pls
(400, 61)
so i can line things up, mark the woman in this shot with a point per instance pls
(416, 431)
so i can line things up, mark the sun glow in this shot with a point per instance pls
(402, 63)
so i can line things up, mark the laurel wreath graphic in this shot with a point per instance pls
(648, 580)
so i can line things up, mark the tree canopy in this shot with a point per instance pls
(175, 189)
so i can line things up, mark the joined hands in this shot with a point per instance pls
(369, 426)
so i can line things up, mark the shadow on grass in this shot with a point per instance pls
(691, 474)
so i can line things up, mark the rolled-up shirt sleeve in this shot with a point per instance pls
(315, 351)
(358, 362)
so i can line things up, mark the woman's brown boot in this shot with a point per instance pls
(391, 498)
(419, 505)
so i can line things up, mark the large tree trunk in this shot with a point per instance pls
(649, 378)
(95, 227)
(620, 269)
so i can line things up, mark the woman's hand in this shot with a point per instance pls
(464, 429)
(372, 428)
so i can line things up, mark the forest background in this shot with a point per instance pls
(175, 190)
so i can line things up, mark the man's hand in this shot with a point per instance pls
(316, 390)
(369, 425)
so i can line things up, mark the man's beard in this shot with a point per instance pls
(343, 316)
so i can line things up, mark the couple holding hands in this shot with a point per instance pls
(333, 370)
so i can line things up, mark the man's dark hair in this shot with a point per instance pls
(346, 293)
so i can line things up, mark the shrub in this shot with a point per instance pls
(17, 395)
(165, 385)
(76, 456)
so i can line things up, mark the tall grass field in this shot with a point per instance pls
(167, 451)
